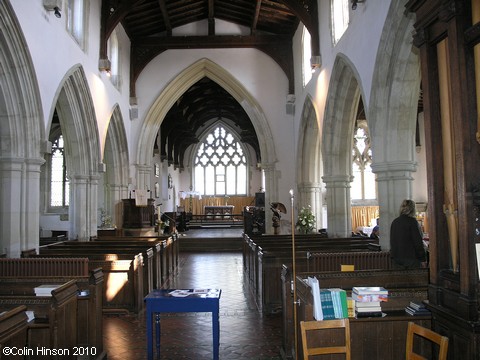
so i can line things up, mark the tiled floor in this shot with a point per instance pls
(244, 332)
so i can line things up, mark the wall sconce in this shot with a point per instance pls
(53, 5)
(104, 66)
(315, 62)
(355, 2)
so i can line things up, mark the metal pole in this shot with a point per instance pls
(294, 275)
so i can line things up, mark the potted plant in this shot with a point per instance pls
(306, 220)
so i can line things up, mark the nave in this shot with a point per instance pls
(244, 332)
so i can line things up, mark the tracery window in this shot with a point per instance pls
(59, 183)
(220, 165)
(363, 185)
(340, 14)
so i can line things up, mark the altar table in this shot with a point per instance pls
(176, 300)
(218, 212)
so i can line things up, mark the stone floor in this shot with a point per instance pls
(244, 332)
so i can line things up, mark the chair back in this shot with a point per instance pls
(317, 326)
(432, 336)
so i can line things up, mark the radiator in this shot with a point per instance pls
(43, 267)
(362, 260)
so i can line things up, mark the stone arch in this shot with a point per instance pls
(309, 164)
(116, 160)
(337, 140)
(77, 118)
(392, 114)
(22, 135)
(173, 91)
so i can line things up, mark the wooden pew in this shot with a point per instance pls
(59, 270)
(123, 277)
(165, 253)
(263, 262)
(169, 249)
(55, 324)
(150, 255)
(13, 328)
(403, 286)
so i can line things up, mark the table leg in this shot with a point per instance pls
(149, 334)
(216, 334)
(157, 333)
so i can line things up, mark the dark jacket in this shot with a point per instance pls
(406, 242)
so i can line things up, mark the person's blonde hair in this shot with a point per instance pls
(408, 208)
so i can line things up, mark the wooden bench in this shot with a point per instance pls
(55, 323)
(59, 270)
(403, 286)
(123, 277)
(168, 252)
(263, 262)
(13, 328)
(150, 253)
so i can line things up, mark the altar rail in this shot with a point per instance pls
(44, 267)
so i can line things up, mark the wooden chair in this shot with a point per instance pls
(306, 326)
(441, 341)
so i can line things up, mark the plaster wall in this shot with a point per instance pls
(54, 52)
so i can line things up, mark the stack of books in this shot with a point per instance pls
(368, 300)
(328, 304)
(416, 308)
(45, 290)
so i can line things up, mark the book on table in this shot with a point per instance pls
(370, 290)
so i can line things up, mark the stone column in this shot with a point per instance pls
(394, 185)
(339, 214)
(78, 210)
(11, 216)
(310, 193)
(32, 203)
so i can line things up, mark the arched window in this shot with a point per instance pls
(220, 166)
(59, 184)
(307, 55)
(363, 185)
(76, 20)
(113, 56)
(340, 18)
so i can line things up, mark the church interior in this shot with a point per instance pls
(241, 145)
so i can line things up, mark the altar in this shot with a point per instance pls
(218, 211)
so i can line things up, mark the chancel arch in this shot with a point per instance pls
(309, 164)
(177, 87)
(77, 119)
(21, 137)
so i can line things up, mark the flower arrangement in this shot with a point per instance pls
(306, 220)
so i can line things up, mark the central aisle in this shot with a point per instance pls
(244, 333)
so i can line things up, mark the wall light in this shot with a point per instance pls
(53, 5)
(57, 12)
(355, 2)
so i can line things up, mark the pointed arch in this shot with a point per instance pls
(342, 103)
(22, 135)
(173, 91)
(393, 113)
(309, 164)
(116, 159)
(77, 118)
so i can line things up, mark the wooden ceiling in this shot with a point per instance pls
(151, 25)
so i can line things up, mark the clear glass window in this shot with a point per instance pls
(220, 165)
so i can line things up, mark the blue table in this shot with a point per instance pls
(190, 300)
